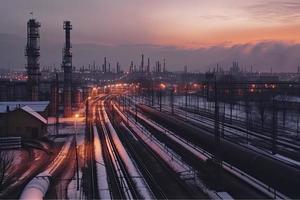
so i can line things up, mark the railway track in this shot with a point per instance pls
(239, 134)
(247, 138)
(267, 170)
(283, 137)
(157, 171)
(121, 184)
(241, 126)
(196, 158)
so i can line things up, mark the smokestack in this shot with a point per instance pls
(104, 66)
(33, 55)
(148, 65)
(67, 67)
(118, 68)
(159, 66)
(142, 64)
(164, 68)
(131, 67)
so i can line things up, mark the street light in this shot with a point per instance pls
(76, 152)
(161, 87)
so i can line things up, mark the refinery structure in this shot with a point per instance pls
(65, 88)
(104, 132)
(33, 56)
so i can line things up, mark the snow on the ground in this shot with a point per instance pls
(164, 152)
(52, 120)
(103, 187)
(66, 125)
(73, 193)
(285, 159)
(250, 180)
(292, 117)
(225, 195)
(71, 126)
(203, 155)
(131, 167)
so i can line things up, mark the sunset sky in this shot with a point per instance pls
(184, 24)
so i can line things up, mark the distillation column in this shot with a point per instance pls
(33, 54)
(67, 67)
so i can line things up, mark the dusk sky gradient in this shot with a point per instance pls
(182, 25)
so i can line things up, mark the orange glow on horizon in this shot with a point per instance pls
(230, 36)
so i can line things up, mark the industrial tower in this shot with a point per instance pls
(67, 67)
(148, 65)
(142, 64)
(33, 54)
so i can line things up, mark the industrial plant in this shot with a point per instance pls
(141, 130)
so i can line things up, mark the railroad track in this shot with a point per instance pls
(268, 170)
(255, 126)
(240, 135)
(241, 126)
(245, 138)
(255, 130)
(197, 157)
(156, 170)
(121, 185)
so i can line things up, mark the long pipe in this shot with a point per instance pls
(37, 188)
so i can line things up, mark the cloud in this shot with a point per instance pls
(285, 11)
(263, 55)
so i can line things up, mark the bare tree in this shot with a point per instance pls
(6, 160)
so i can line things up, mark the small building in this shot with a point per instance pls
(23, 121)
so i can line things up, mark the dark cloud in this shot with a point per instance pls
(280, 56)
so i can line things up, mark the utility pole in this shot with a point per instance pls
(76, 152)
(172, 101)
(57, 102)
(217, 132)
(160, 95)
(274, 126)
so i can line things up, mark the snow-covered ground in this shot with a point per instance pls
(202, 154)
(168, 155)
(103, 186)
(71, 126)
(72, 192)
(66, 125)
(132, 168)
(237, 111)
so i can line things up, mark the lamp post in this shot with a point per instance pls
(76, 152)
(161, 87)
